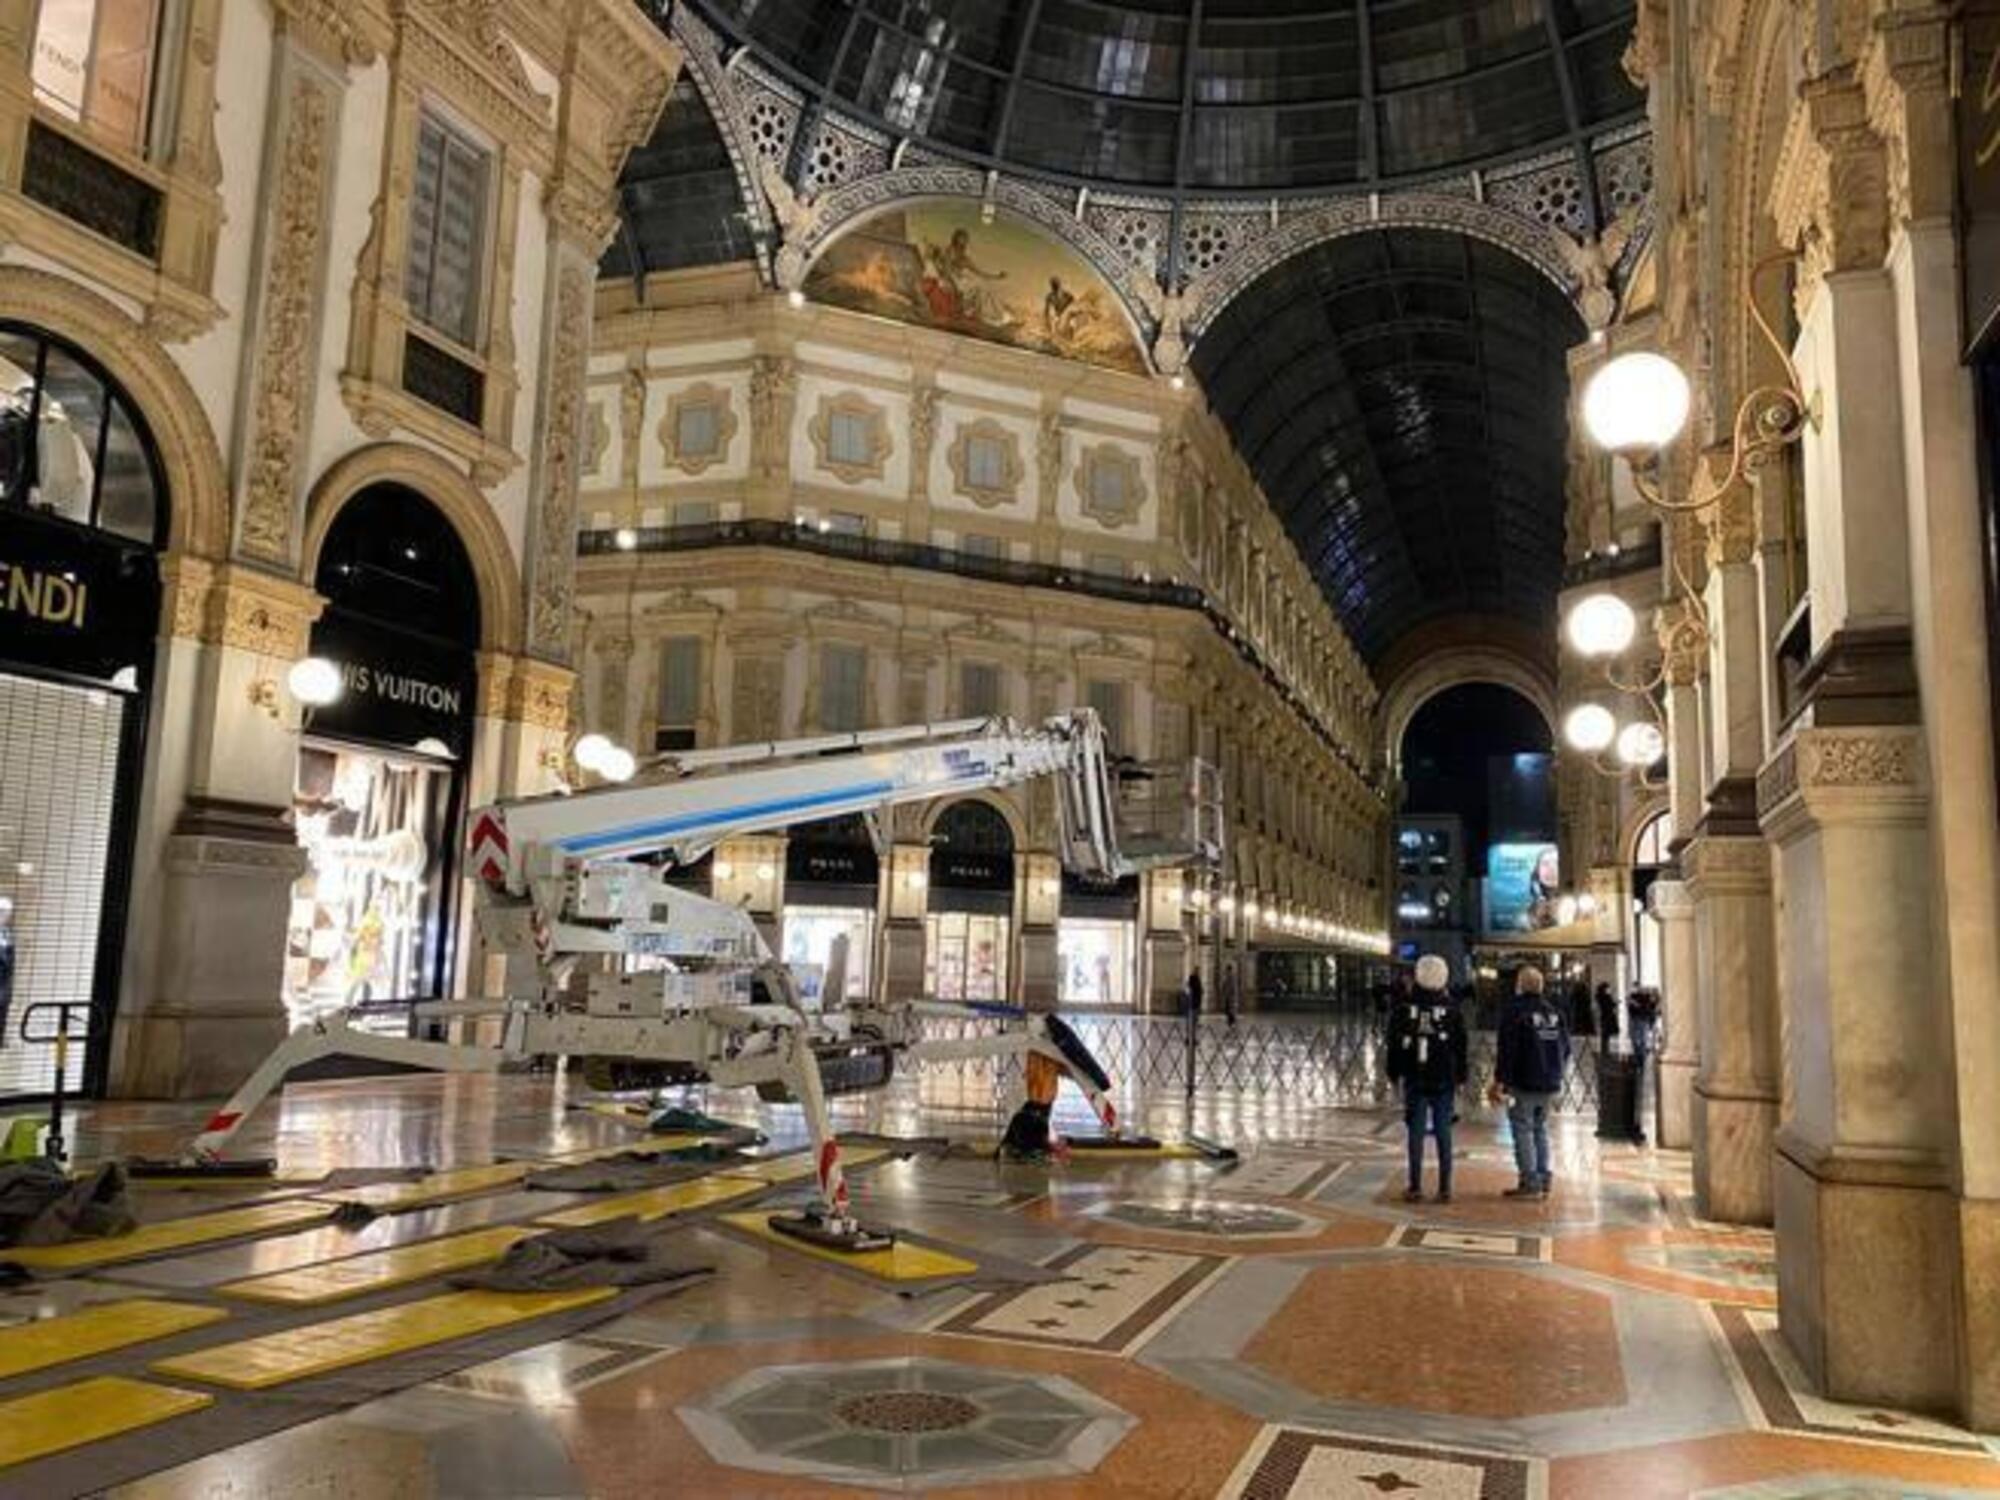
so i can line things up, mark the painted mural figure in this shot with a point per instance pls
(943, 265)
(953, 286)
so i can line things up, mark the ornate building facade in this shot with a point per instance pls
(269, 273)
(1826, 918)
(800, 519)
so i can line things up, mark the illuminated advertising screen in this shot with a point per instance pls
(1523, 882)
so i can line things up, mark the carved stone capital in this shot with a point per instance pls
(525, 691)
(1831, 193)
(258, 612)
(1855, 775)
(1906, 77)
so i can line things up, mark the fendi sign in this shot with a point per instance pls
(74, 600)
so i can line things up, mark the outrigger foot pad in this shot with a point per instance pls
(1113, 1143)
(850, 1236)
(139, 1168)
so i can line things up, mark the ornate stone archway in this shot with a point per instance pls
(463, 504)
(198, 502)
(1459, 666)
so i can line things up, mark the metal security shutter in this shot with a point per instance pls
(60, 749)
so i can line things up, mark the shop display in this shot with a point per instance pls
(809, 932)
(1095, 961)
(366, 916)
(965, 956)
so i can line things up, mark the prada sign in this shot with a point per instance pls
(398, 689)
(74, 600)
(1979, 166)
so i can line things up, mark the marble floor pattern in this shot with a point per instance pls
(1285, 1326)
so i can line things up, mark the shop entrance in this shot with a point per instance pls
(379, 792)
(832, 877)
(1097, 943)
(969, 927)
(83, 510)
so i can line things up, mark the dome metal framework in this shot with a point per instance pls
(1401, 393)
(1402, 398)
(1209, 98)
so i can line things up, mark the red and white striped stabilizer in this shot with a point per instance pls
(1106, 1111)
(832, 1181)
(487, 848)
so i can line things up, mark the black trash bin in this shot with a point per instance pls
(1618, 1079)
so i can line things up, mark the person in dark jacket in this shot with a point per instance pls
(1533, 1055)
(1427, 1057)
(1191, 994)
(1607, 1017)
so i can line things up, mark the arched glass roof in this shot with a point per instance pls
(1402, 398)
(1208, 97)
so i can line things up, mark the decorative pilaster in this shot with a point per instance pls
(1680, 1050)
(552, 560)
(282, 343)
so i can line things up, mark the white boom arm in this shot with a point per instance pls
(562, 880)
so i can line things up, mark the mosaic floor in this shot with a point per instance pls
(1284, 1326)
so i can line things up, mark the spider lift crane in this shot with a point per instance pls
(647, 984)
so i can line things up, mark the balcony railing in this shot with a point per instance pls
(888, 553)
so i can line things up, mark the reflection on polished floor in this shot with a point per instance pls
(1283, 1326)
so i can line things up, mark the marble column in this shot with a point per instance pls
(903, 930)
(1673, 1125)
(1728, 867)
(217, 905)
(1867, 1222)
(1038, 984)
(1735, 1097)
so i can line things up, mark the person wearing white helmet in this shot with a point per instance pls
(1427, 1057)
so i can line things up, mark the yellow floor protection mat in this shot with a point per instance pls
(439, 1187)
(173, 1234)
(331, 1281)
(638, 1146)
(902, 1261)
(96, 1329)
(321, 1348)
(655, 1203)
(792, 1168)
(71, 1415)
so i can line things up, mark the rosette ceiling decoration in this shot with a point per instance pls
(1372, 227)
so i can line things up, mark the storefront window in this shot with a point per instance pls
(809, 936)
(69, 447)
(94, 64)
(1094, 956)
(367, 917)
(965, 955)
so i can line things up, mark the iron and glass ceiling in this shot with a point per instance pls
(1400, 395)
(1208, 97)
(1402, 398)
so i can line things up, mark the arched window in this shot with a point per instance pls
(71, 446)
(1649, 849)
(1650, 853)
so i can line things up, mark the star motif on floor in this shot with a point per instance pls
(1047, 1322)
(1884, 1419)
(1075, 1304)
(1388, 1482)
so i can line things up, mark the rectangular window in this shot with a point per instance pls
(1108, 699)
(846, 523)
(695, 513)
(985, 463)
(975, 544)
(447, 269)
(848, 438)
(94, 65)
(680, 681)
(1105, 565)
(1107, 484)
(843, 675)
(696, 432)
(978, 689)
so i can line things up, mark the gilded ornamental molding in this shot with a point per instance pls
(701, 393)
(875, 421)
